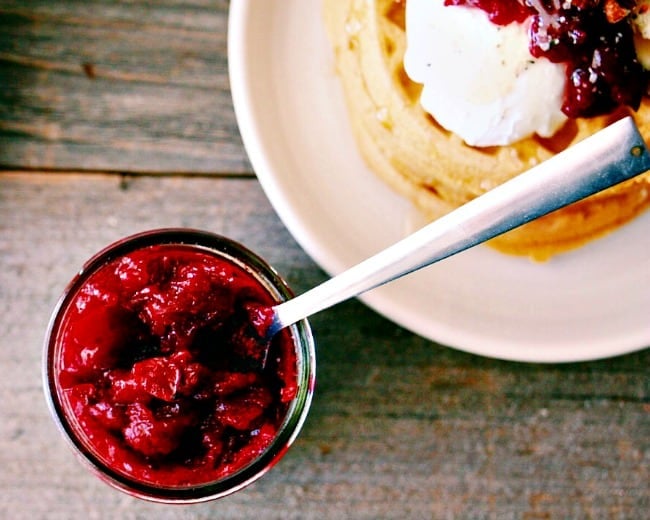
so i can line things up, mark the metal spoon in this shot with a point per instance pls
(610, 156)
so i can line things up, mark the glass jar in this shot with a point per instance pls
(147, 387)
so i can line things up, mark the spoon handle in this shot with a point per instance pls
(610, 156)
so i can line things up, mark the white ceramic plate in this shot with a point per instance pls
(588, 304)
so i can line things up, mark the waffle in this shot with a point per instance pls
(434, 168)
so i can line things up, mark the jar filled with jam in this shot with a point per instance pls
(157, 373)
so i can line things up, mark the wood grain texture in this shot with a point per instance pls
(400, 427)
(132, 86)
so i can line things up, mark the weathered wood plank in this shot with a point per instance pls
(400, 427)
(117, 86)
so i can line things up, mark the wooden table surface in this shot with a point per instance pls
(115, 117)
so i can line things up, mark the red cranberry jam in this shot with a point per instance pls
(156, 369)
(593, 38)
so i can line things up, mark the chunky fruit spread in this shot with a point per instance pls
(159, 371)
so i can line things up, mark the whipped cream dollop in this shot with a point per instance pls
(479, 79)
